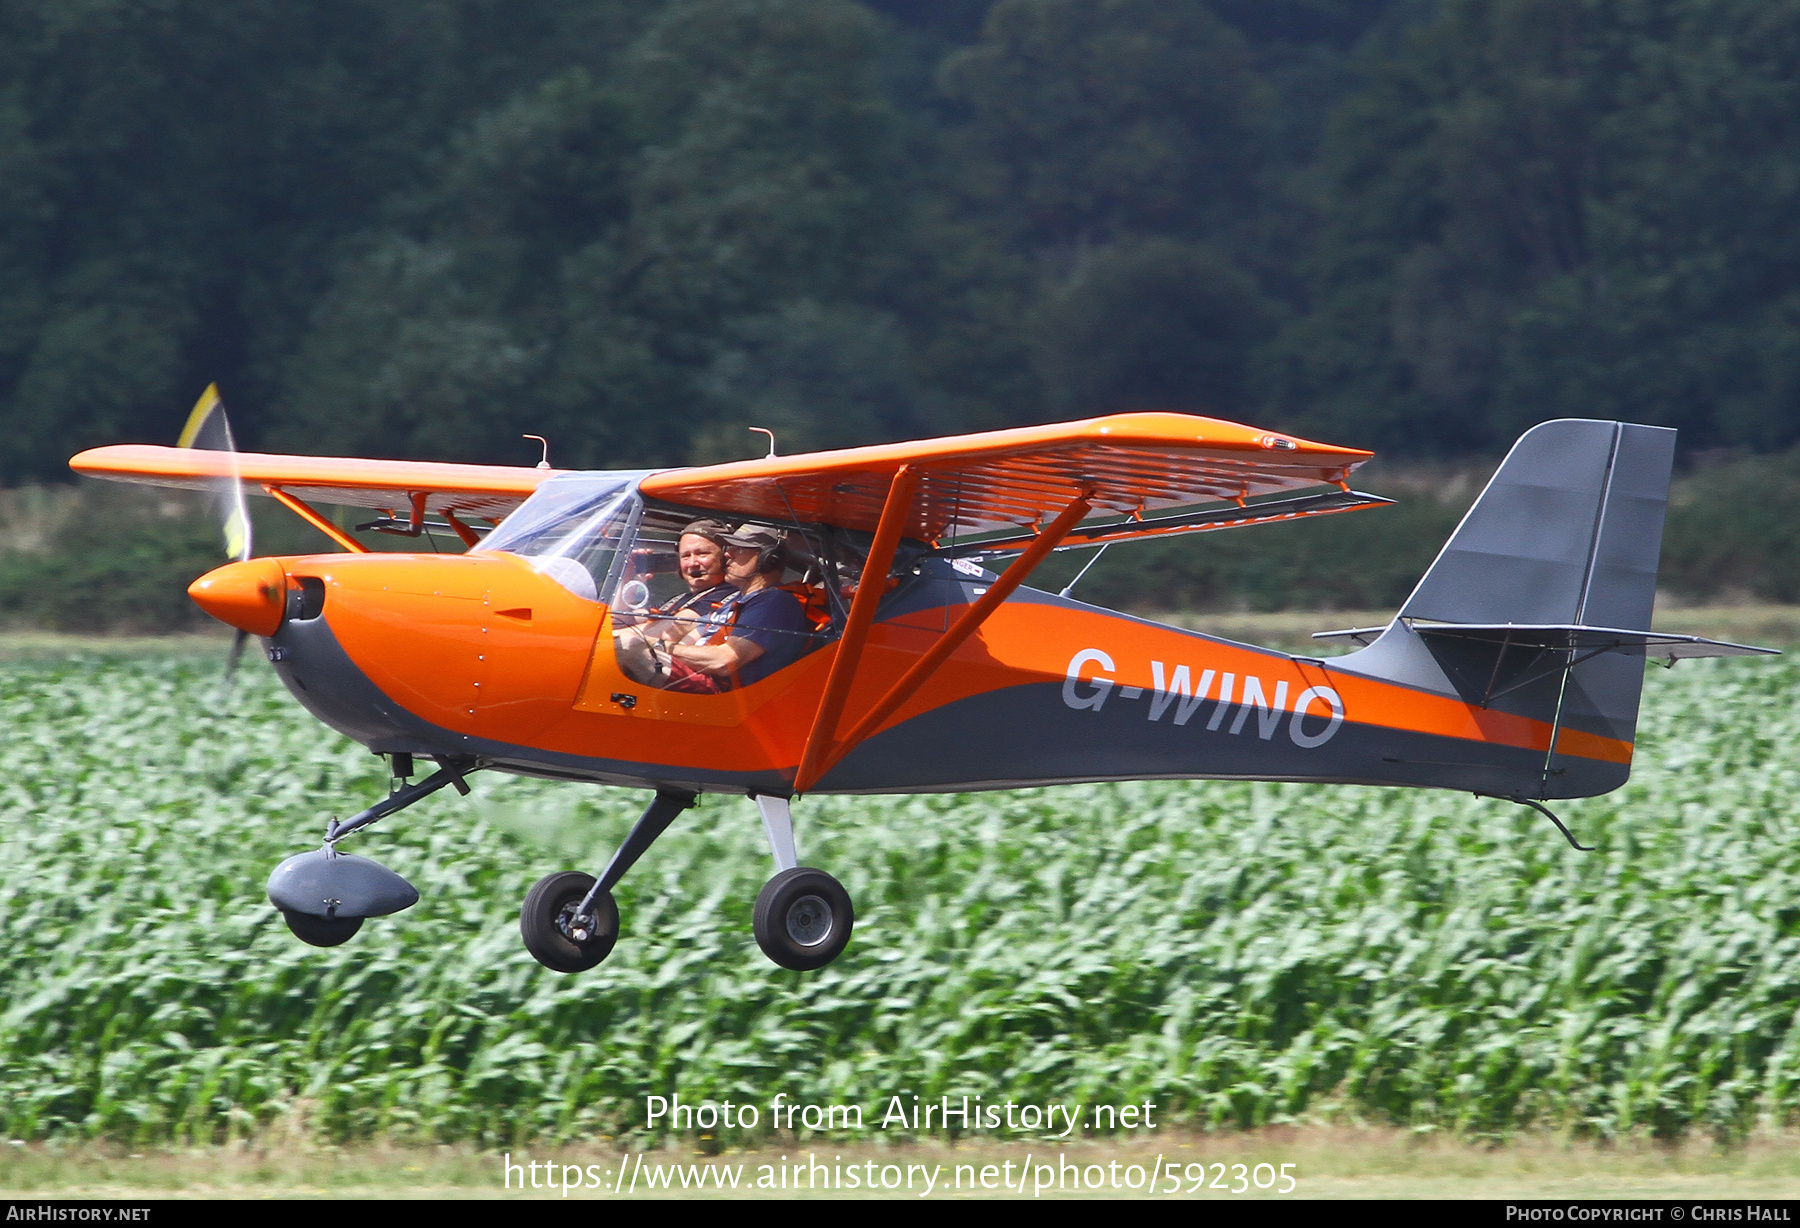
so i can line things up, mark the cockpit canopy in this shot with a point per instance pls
(597, 537)
(571, 528)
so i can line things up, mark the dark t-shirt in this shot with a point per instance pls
(771, 618)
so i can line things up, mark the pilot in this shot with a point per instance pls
(702, 564)
(643, 648)
(763, 629)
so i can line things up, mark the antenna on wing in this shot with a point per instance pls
(763, 430)
(544, 462)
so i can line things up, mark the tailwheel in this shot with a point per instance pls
(321, 931)
(803, 919)
(555, 935)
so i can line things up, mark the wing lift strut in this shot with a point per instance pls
(413, 526)
(824, 748)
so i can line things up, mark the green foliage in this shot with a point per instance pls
(595, 252)
(1114, 117)
(419, 230)
(1151, 325)
(1541, 209)
(181, 177)
(818, 377)
(117, 560)
(1734, 530)
(422, 229)
(1241, 954)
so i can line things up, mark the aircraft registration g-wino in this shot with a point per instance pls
(829, 623)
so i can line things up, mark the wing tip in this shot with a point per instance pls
(108, 461)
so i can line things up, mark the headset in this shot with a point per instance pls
(766, 555)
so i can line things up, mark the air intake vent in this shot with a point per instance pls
(308, 601)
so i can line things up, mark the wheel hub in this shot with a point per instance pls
(575, 928)
(809, 921)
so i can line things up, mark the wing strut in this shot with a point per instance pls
(822, 740)
(922, 669)
(300, 509)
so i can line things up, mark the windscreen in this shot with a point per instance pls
(570, 528)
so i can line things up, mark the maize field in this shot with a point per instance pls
(1240, 954)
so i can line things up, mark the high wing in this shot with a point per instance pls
(485, 491)
(1026, 491)
(1011, 482)
(989, 492)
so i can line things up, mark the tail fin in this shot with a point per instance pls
(1524, 608)
(1568, 532)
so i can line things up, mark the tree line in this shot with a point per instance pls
(419, 228)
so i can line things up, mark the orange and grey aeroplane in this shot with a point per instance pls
(856, 621)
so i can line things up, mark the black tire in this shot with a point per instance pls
(550, 906)
(321, 931)
(803, 919)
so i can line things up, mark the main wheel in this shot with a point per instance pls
(321, 931)
(547, 923)
(802, 919)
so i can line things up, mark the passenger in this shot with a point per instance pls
(763, 630)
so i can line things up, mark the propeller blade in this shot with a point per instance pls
(231, 663)
(208, 428)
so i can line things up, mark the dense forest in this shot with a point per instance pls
(418, 228)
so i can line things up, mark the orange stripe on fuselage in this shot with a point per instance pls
(1592, 746)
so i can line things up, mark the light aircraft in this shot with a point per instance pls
(856, 622)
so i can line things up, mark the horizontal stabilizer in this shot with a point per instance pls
(1566, 637)
(1539, 605)
(1579, 639)
(1360, 636)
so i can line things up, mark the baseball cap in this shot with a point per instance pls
(714, 531)
(756, 537)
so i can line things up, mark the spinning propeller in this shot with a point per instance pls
(209, 429)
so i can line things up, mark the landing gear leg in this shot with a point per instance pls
(803, 916)
(451, 773)
(569, 921)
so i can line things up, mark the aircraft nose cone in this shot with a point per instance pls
(251, 596)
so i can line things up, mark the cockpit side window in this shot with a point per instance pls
(687, 617)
